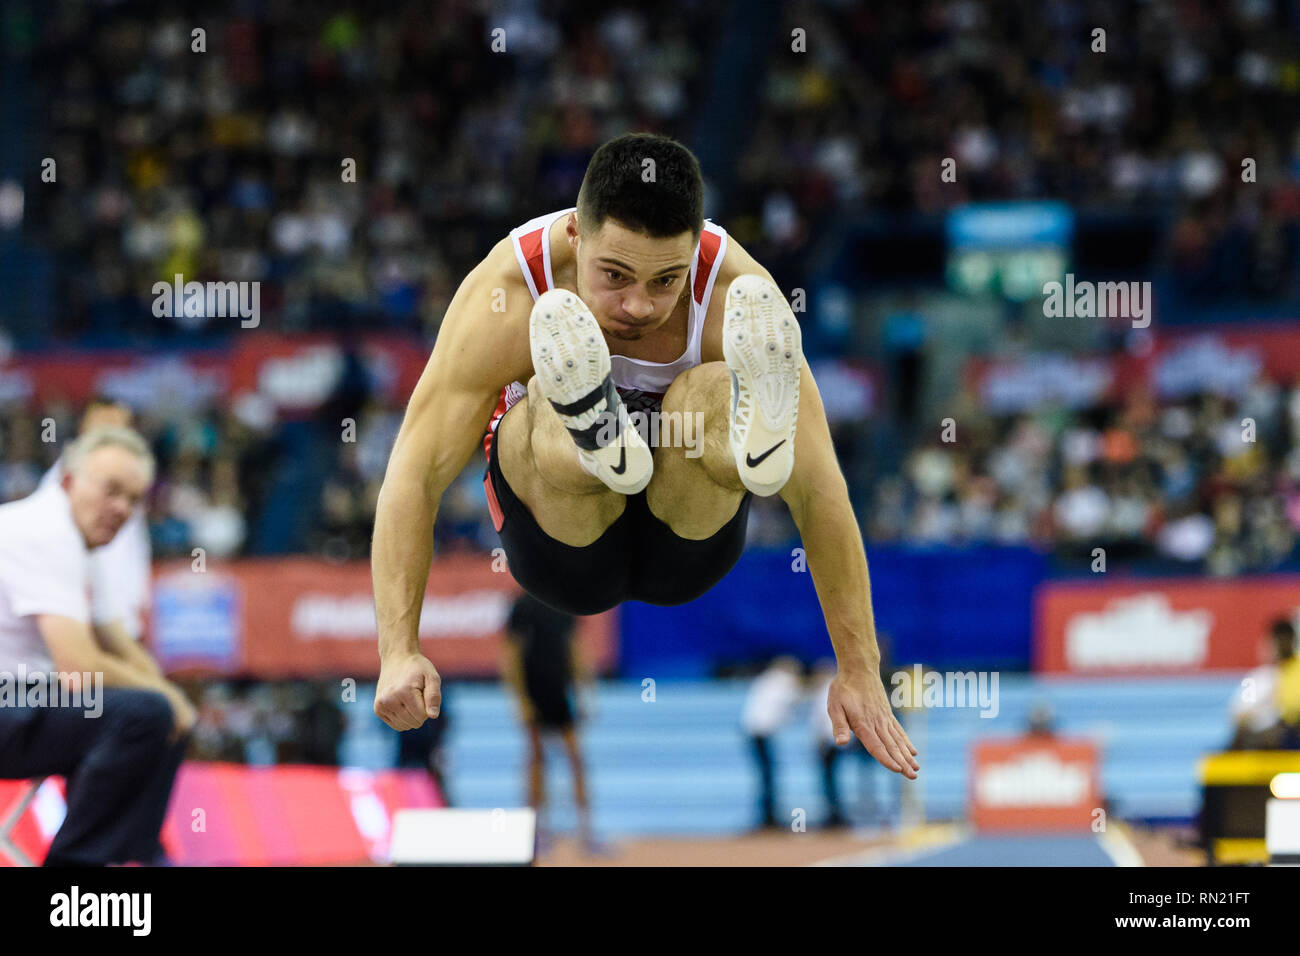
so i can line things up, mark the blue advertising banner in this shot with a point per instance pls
(196, 620)
(946, 608)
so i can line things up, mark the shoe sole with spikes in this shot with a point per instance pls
(572, 364)
(762, 344)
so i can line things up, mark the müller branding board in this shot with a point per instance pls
(1146, 627)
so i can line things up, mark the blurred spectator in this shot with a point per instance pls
(769, 705)
(543, 668)
(824, 737)
(1041, 725)
(320, 724)
(873, 808)
(1260, 721)
(425, 748)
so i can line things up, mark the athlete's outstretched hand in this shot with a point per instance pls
(857, 702)
(409, 691)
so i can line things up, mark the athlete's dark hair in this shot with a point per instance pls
(661, 198)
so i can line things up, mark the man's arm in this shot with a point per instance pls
(74, 650)
(818, 498)
(113, 639)
(443, 425)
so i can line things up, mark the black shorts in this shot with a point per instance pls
(638, 558)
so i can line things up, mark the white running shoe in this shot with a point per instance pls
(572, 364)
(763, 348)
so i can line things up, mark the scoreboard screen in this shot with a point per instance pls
(1010, 249)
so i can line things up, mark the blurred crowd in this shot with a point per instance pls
(210, 484)
(231, 164)
(265, 723)
(1190, 482)
(462, 121)
(1155, 113)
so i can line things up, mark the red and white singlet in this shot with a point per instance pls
(641, 384)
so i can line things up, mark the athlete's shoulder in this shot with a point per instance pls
(482, 340)
(736, 261)
(521, 258)
(501, 266)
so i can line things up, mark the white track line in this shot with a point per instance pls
(1116, 844)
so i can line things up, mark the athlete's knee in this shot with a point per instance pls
(697, 387)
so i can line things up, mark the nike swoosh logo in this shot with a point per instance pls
(622, 449)
(753, 462)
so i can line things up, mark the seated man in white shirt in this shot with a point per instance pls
(120, 571)
(119, 758)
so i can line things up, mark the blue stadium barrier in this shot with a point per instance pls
(945, 607)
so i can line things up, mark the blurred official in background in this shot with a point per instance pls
(543, 669)
(120, 571)
(425, 748)
(829, 752)
(769, 705)
(120, 759)
(823, 733)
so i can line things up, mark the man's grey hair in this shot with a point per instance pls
(109, 435)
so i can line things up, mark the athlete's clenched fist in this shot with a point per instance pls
(409, 691)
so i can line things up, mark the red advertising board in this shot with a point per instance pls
(294, 373)
(164, 380)
(1158, 626)
(297, 373)
(301, 617)
(1032, 783)
(233, 815)
(1172, 365)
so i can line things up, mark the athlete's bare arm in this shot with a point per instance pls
(478, 351)
(818, 498)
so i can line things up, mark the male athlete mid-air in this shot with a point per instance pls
(630, 303)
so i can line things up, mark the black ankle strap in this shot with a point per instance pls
(605, 390)
(588, 438)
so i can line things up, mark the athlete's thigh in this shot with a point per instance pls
(577, 578)
(575, 520)
(690, 433)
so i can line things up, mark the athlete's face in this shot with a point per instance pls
(630, 281)
(104, 491)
